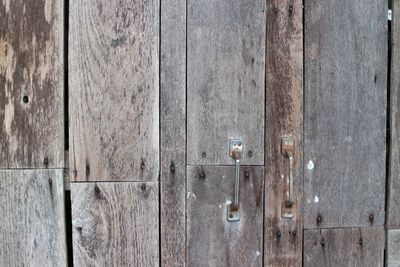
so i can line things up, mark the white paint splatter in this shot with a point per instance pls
(258, 253)
(310, 165)
(220, 206)
(316, 199)
(228, 202)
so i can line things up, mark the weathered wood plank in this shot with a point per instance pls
(173, 133)
(362, 247)
(32, 221)
(115, 224)
(113, 78)
(393, 248)
(393, 207)
(345, 112)
(211, 239)
(31, 84)
(225, 80)
(284, 117)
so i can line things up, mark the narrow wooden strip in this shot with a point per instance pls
(284, 118)
(211, 239)
(114, 87)
(393, 248)
(173, 132)
(31, 84)
(32, 221)
(363, 247)
(115, 224)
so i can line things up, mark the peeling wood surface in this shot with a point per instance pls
(284, 117)
(363, 247)
(32, 221)
(31, 84)
(225, 80)
(211, 239)
(345, 112)
(393, 211)
(173, 133)
(393, 248)
(115, 224)
(113, 79)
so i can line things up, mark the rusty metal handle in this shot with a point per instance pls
(288, 151)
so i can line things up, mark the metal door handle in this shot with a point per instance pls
(288, 203)
(236, 152)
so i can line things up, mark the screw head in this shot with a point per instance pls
(246, 174)
(172, 167)
(371, 217)
(203, 154)
(323, 242)
(250, 153)
(319, 219)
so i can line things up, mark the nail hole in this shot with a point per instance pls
(203, 154)
(25, 99)
(250, 153)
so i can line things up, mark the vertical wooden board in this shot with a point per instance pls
(393, 206)
(225, 80)
(211, 239)
(31, 84)
(113, 78)
(284, 117)
(363, 247)
(173, 133)
(32, 221)
(345, 112)
(115, 224)
(393, 248)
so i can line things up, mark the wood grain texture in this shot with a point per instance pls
(345, 112)
(211, 239)
(115, 224)
(393, 248)
(32, 221)
(31, 84)
(113, 78)
(393, 205)
(173, 133)
(284, 117)
(225, 80)
(363, 247)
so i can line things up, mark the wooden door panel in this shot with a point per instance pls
(225, 80)
(115, 224)
(345, 112)
(32, 220)
(114, 87)
(211, 239)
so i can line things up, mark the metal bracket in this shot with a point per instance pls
(235, 152)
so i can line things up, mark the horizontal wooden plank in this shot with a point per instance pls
(115, 224)
(114, 88)
(345, 113)
(362, 247)
(32, 221)
(393, 248)
(225, 80)
(211, 239)
(31, 84)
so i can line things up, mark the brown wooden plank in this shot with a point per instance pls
(211, 239)
(115, 224)
(225, 80)
(173, 133)
(113, 78)
(362, 247)
(393, 248)
(345, 113)
(31, 84)
(32, 221)
(284, 117)
(393, 206)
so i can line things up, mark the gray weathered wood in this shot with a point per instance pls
(393, 207)
(32, 220)
(211, 239)
(393, 248)
(115, 224)
(225, 80)
(345, 112)
(363, 247)
(31, 84)
(173, 133)
(113, 78)
(284, 117)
